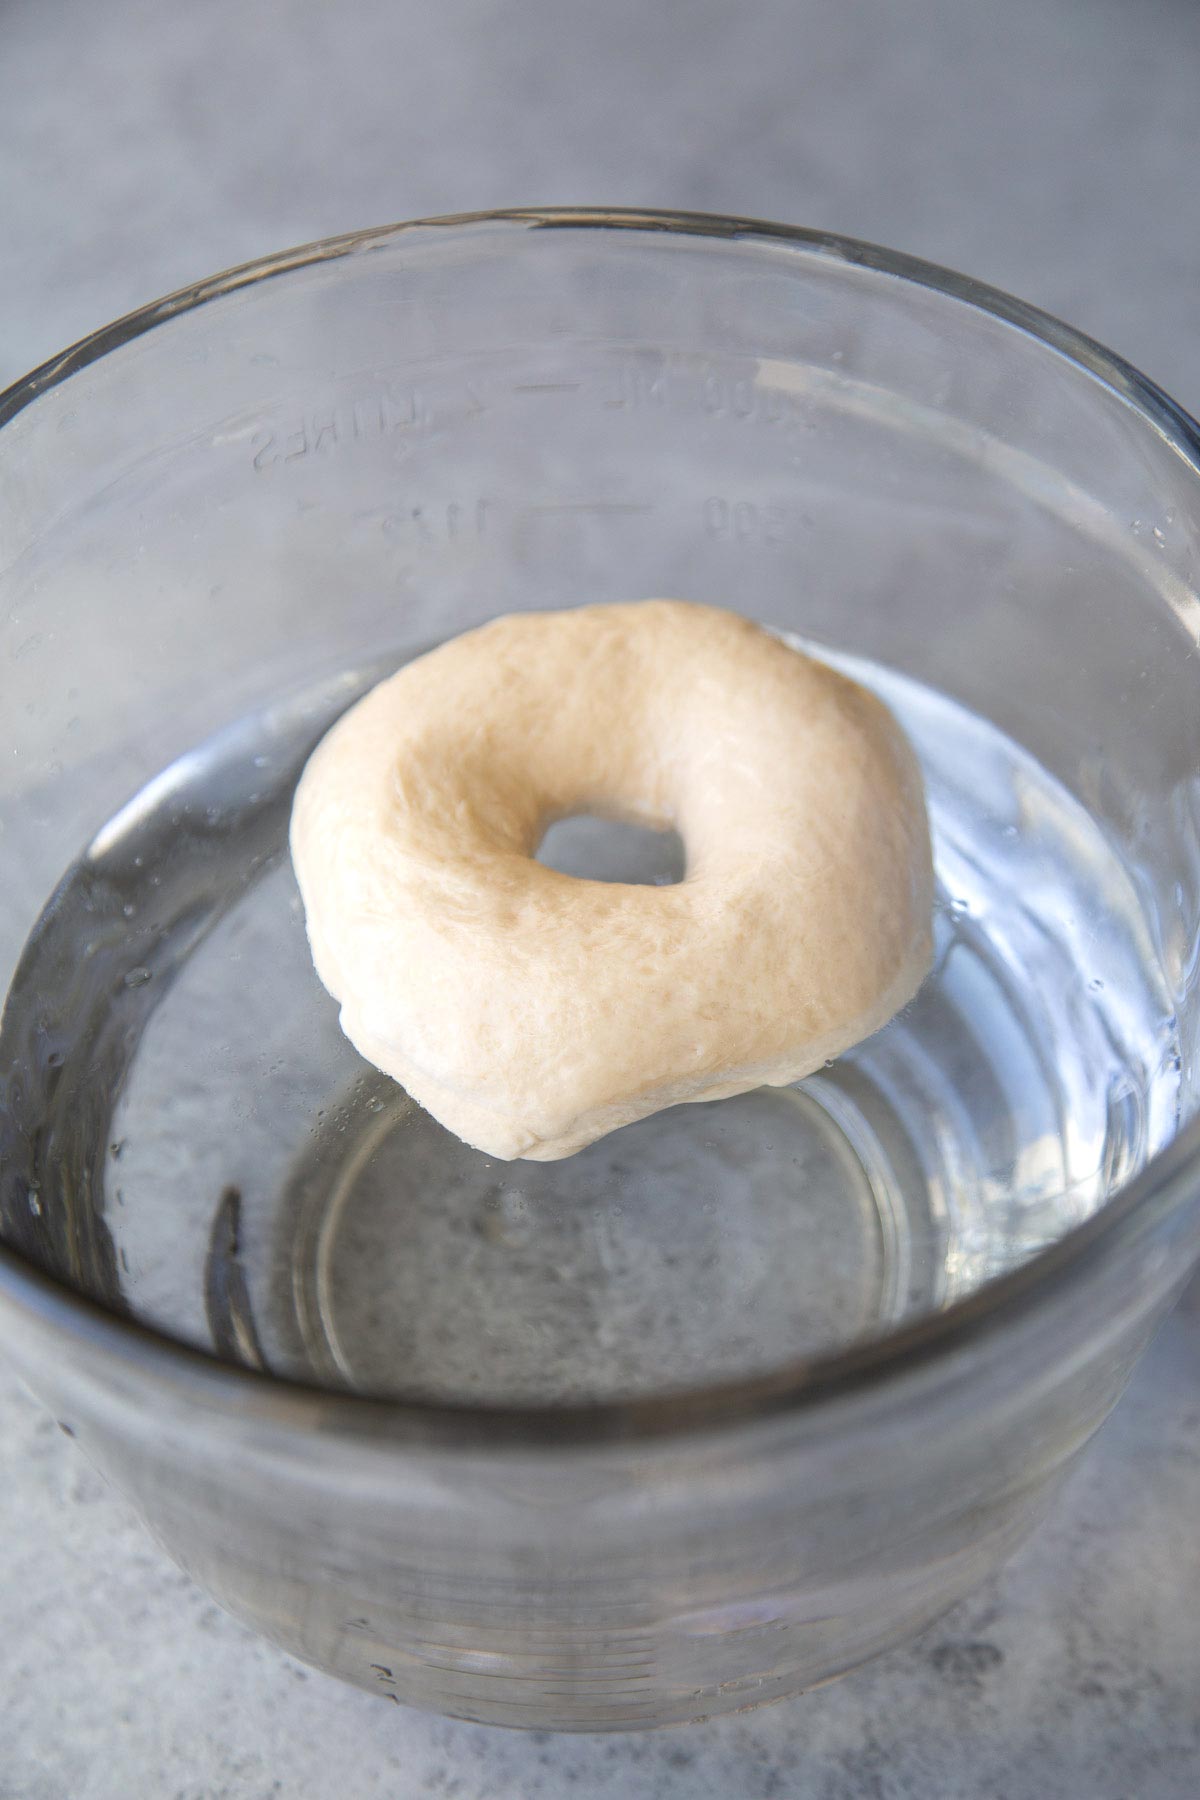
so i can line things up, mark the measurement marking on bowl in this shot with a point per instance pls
(547, 387)
(318, 430)
(432, 522)
(754, 522)
(385, 409)
(685, 381)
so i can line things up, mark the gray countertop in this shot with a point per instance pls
(1048, 146)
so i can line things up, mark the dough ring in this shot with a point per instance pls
(532, 1012)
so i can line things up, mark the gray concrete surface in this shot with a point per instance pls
(1048, 146)
(1074, 1676)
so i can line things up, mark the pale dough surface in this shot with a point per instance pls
(532, 1012)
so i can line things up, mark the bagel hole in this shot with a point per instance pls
(595, 849)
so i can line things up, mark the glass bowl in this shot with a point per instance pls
(748, 1392)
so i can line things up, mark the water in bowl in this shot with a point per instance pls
(185, 1133)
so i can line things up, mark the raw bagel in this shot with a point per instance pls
(532, 1012)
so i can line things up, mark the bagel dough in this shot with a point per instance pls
(532, 1012)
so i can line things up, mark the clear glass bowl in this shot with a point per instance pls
(749, 1392)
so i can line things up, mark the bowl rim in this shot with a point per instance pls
(1169, 1180)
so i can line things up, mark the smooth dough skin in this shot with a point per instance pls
(532, 1012)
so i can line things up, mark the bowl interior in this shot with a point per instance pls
(261, 497)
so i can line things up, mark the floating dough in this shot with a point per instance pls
(532, 1012)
